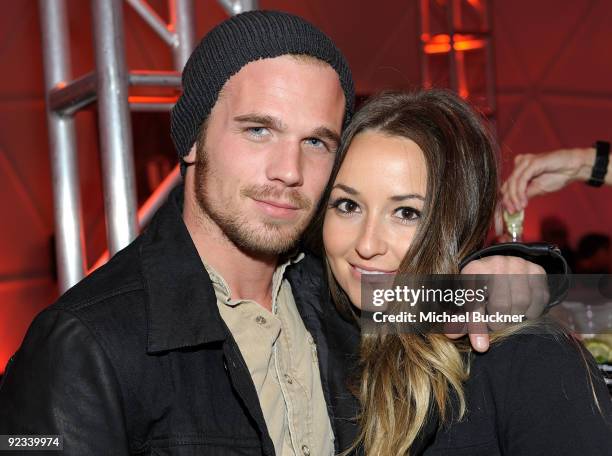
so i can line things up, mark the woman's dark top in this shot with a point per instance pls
(530, 395)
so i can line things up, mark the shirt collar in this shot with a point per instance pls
(223, 291)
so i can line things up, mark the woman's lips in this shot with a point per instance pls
(357, 271)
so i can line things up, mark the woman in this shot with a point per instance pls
(414, 192)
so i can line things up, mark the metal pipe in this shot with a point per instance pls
(150, 207)
(233, 7)
(228, 6)
(151, 17)
(424, 30)
(151, 104)
(114, 124)
(452, 57)
(77, 94)
(250, 5)
(157, 198)
(182, 23)
(156, 78)
(67, 99)
(69, 238)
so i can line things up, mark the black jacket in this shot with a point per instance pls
(532, 394)
(136, 358)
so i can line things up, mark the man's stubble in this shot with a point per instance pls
(263, 237)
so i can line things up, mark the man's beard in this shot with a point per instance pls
(265, 238)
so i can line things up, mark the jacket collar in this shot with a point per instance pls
(181, 302)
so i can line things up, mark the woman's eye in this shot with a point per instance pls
(345, 206)
(407, 214)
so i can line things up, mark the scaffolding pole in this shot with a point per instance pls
(155, 22)
(182, 24)
(233, 7)
(69, 239)
(114, 124)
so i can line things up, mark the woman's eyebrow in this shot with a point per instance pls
(352, 191)
(346, 188)
(407, 196)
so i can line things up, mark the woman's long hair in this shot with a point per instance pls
(404, 376)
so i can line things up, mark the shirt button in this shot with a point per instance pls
(305, 450)
(290, 381)
(261, 320)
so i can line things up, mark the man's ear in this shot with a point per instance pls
(190, 158)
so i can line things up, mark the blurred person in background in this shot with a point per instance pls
(555, 231)
(594, 255)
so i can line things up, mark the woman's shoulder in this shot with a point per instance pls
(537, 358)
(544, 381)
(544, 350)
(543, 392)
(541, 344)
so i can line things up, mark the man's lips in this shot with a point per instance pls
(277, 209)
(279, 204)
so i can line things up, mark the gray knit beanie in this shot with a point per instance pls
(231, 45)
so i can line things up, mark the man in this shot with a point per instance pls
(211, 334)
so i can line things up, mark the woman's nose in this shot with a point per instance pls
(371, 241)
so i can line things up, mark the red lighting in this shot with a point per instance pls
(476, 4)
(152, 99)
(440, 43)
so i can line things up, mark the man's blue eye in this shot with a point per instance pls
(315, 142)
(257, 131)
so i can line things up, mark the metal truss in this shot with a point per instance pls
(454, 29)
(108, 84)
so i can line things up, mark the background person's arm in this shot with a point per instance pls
(538, 174)
(60, 382)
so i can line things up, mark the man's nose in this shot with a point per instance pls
(371, 241)
(285, 164)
